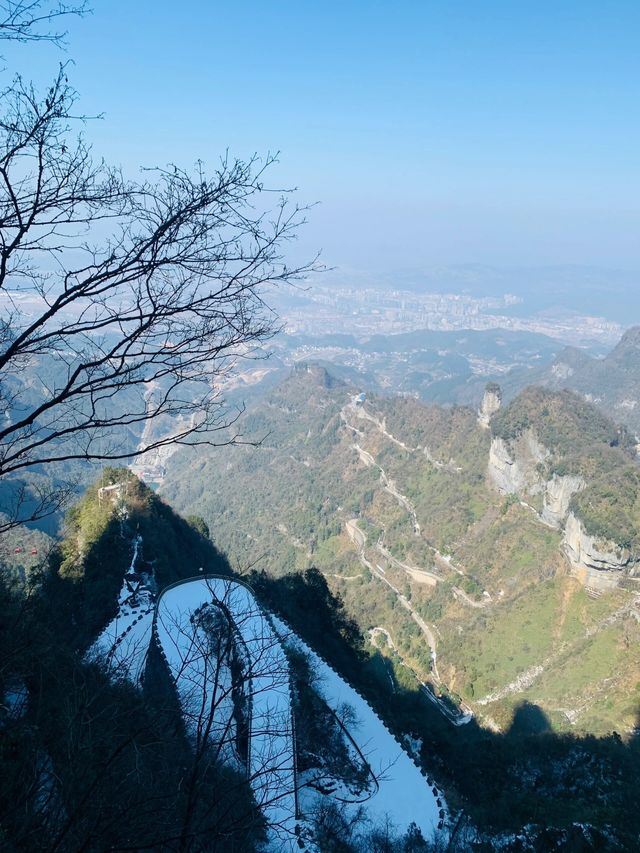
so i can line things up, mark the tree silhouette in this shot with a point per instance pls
(129, 300)
(31, 20)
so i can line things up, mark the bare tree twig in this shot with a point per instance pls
(133, 300)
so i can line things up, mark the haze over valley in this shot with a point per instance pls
(319, 427)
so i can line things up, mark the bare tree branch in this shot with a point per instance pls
(132, 300)
(32, 20)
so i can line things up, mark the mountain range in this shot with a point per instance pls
(472, 571)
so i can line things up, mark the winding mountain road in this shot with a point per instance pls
(205, 697)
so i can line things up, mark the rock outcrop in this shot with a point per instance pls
(491, 402)
(560, 370)
(599, 564)
(557, 496)
(519, 468)
(515, 468)
(316, 374)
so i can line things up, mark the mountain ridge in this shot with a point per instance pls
(415, 477)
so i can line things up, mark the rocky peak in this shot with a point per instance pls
(627, 352)
(315, 374)
(573, 358)
(491, 402)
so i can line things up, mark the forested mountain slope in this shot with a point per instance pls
(612, 383)
(87, 761)
(468, 579)
(147, 701)
(81, 731)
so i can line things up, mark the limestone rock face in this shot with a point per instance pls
(514, 469)
(561, 370)
(541, 456)
(503, 470)
(557, 496)
(517, 468)
(598, 563)
(491, 402)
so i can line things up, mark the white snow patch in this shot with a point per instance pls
(124, 643)
(271, 753)
(403, 794)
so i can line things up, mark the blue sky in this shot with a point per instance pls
(431, 132)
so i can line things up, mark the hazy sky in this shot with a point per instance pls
(434, 131)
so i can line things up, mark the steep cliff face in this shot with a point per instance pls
(514, 468)
(557, 497)
(491, 402)
(599, 564)
(517, 468)
(577, 470)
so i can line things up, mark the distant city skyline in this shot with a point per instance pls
(498, 133)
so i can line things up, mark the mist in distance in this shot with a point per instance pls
(458, 148)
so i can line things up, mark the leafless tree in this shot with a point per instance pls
(127, 301)
(31, 20)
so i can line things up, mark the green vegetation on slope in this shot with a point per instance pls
(584, 442)
(284, 506)
(528, 775)
(96, 550)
